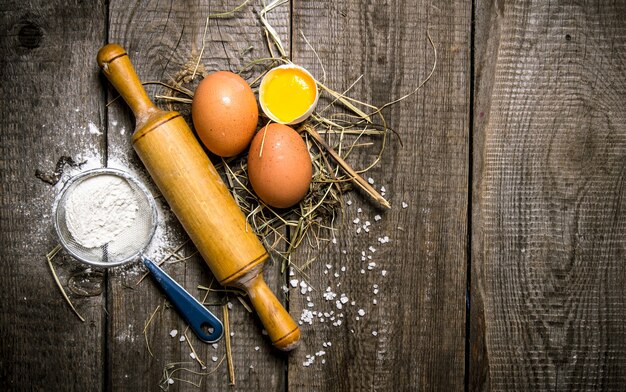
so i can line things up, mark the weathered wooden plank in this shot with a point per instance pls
(413, 337)
(550, 218)
(47, 101)
(161, 39)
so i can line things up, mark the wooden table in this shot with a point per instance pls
(505, 271)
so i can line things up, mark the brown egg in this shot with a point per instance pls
(225, 113)
(279, 166)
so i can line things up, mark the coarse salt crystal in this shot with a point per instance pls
(344, 299)
(372, 249)
(359, 210)
(214, 359)
(370, 180)
(374, 333)
(182, 339)
(349, 202)
(257, 348)
(232, 334)
(356, 221)
(404, 205)
(362, 271)
(170, 381)
(383, 272)
(173, 333)
(374, 301)
(192, 355)
(377, 218)
(214, 345)
(293, 282)
(361, 312)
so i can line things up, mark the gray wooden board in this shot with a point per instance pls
(413, 338)
(549, 269)
(160, 39)
(49, 94)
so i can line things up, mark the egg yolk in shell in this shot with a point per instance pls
(288, 93)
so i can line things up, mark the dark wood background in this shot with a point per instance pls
(506, 271)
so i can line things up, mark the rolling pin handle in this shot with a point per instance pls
(117, 67)
(282, 330)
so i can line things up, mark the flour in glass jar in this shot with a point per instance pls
(99, 209)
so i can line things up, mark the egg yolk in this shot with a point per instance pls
(288, 93)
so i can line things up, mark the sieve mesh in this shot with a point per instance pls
(121, 247)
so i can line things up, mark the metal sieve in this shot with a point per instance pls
(123, 245)
(128, 244)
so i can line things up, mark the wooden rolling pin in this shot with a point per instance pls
(199, 197)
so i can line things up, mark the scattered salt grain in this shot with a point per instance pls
(382, 189)
(170, 381)
(173, 333)
(329, 295)
(214, 359)
(356, 221)
(343, 269)
(362, 271)
(307, 316)
(182, 339)
(334, 241)
(232, 334)
(344, 299)
(293, 282)
(359, 210)
(361, 312)
(374, 333)
(370, 180)
(372, 249)
(404, 205)
(374, 301)
(229, 305)
(214, 345)
(93, 129)
(257, 348)
(192, 355)
(377, 218)
(329, 266)
(336, 274)
(383, 272)
(291, 272)
(349, 202)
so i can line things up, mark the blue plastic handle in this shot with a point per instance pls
(199, 318)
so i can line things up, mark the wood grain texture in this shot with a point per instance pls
(47, 100)
(161, 38)
(549, 248)
(413, 337)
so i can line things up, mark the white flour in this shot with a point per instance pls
(99, 209)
